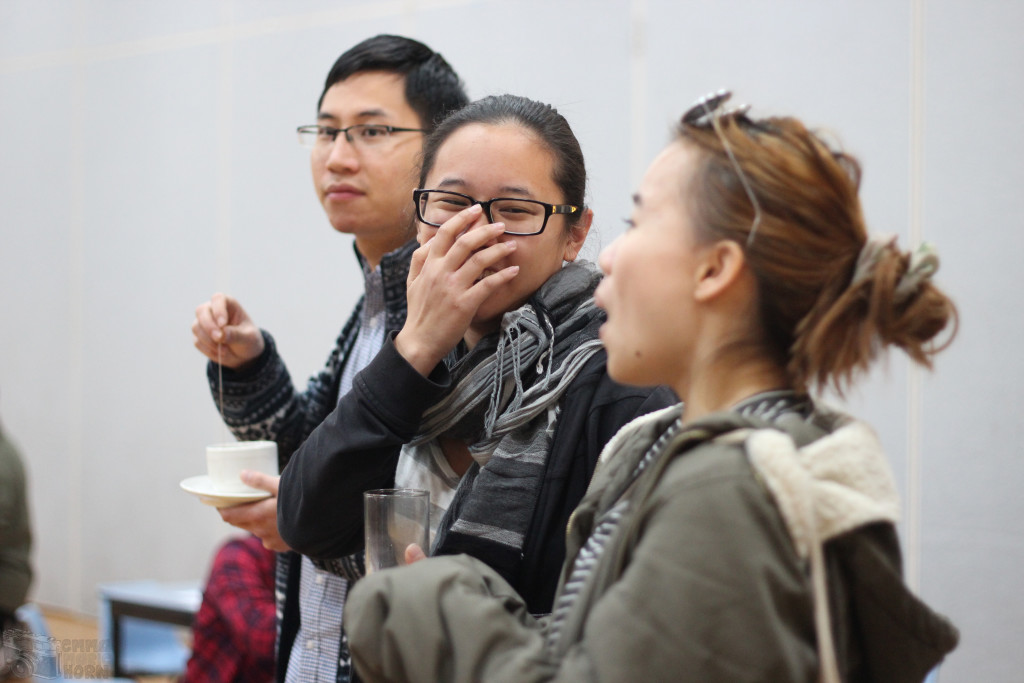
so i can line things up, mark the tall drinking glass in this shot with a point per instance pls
(395, 519)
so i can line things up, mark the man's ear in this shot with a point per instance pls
(577, 236)
(719, 268)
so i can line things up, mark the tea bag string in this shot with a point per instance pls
(220, 385)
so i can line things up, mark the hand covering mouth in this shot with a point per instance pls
(488, 271)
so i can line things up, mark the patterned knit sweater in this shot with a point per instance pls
(261, 402)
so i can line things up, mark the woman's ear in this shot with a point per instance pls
(719, 268)
(577, 236)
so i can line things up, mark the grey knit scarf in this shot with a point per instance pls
(504, 403)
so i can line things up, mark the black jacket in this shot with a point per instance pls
(320, 505)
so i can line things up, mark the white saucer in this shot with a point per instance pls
(202, 487)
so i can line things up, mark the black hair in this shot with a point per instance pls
(570, 173)
(432, 88)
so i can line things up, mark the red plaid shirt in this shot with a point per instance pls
(234, 631)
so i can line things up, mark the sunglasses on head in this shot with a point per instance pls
(707, 114)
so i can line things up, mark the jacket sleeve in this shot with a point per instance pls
(446, 619)
(710, 591)
(356, 448)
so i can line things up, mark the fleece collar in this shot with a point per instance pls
(835, 484)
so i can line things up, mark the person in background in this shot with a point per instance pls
(15, 544)
(748, 533)
(379, 99)
(234, 630)
(493, 395)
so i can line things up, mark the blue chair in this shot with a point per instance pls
(38, 654)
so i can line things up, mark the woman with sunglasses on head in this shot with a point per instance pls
(493, 395)
(748, 533)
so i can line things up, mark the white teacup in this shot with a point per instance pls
(224, 462)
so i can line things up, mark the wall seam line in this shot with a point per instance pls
(914, 394)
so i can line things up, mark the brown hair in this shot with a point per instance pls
(822, 328)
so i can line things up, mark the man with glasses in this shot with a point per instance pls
(379, 100)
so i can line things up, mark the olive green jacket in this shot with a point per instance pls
(710, 576)
(15, 534)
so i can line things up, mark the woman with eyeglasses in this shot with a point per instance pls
(493, 395)
(748, 533)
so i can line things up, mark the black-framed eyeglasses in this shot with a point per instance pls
(360, 135)
(707, 113)
(520, 216)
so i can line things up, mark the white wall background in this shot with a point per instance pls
(147, 159)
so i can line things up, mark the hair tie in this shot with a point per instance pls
(924, 262)
(870, 255)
